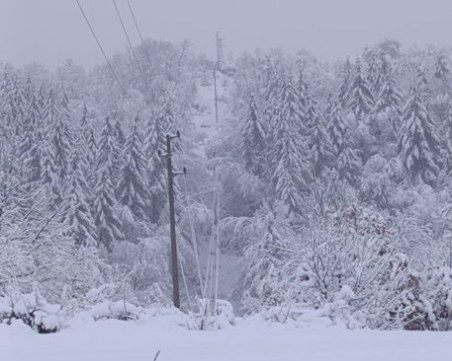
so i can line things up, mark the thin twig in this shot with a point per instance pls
(157, 355)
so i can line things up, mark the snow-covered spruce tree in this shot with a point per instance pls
(31, 142)
(120, 139)
(346, 82)
(374, 73)
(321, 154)
(49, 175)
(51, 108)
(105, 210)
(155, 141)
(88, 148)
(388, 105)
(105, 207)
(265, 283)
(291, 174)
(132, 189)
(107, 148)
(360, 101)
(78, 214)
(271, 98)
(341, 136)
(253, 145)
(442, 73)
(419, 146)
(447, 134)
(61, 140)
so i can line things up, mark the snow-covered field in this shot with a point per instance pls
(249, 340)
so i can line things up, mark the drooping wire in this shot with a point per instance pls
(101, 47)
(193, 236)
(135, 21)
(140, 35)
(124, 29)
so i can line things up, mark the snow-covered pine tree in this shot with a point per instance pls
(78, 215)
(374, 73)
(61, 140)
(341, 136)
(253, 144)
(105, 207)
(446, 132)
(361, 100)
(442, 73)
(49, 174)
(388, 108)
(419, 146)
(155, 141)
(107, 222)
(291, 172)
(346, 82)
(51, 111)
(321, 155)
(132, 188)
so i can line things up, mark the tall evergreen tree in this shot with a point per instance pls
(132, 187)
(419, 147)
(155, 141)
(374, 74)
(291, 174)
(78, 215)
(442, 73)
(253, 144)
(388, 106)
(105, 208)
(61, 140)
(361, 100)
(346, 83)
(341, 137)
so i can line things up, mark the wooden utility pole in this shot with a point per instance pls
(217, 67)
(216, 94)
(174, 264)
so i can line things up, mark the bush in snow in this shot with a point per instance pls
(438, 289)
(266, 285)
(214, 316)
(118, 310)
(33, 310)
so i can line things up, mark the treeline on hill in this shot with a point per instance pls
(335, 182)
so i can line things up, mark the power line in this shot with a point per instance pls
(134, 55)
(137, 27)
(135, 21)
(124, 28)
(100, 47)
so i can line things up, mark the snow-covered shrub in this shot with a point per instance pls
(266, 284)
(118, 310)
(211, 316)
(141, 269)
(33, 310)
(438, 289)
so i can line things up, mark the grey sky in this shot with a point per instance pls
(48, 31)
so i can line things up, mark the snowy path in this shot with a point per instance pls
(249, 341)
(208, 130)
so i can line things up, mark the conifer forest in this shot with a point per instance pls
(303, 189)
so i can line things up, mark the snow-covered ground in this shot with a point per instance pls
(249, 340)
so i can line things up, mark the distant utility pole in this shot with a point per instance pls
(220, 58)
(217, 67)
(171, 175)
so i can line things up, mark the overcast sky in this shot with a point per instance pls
(48, 31)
